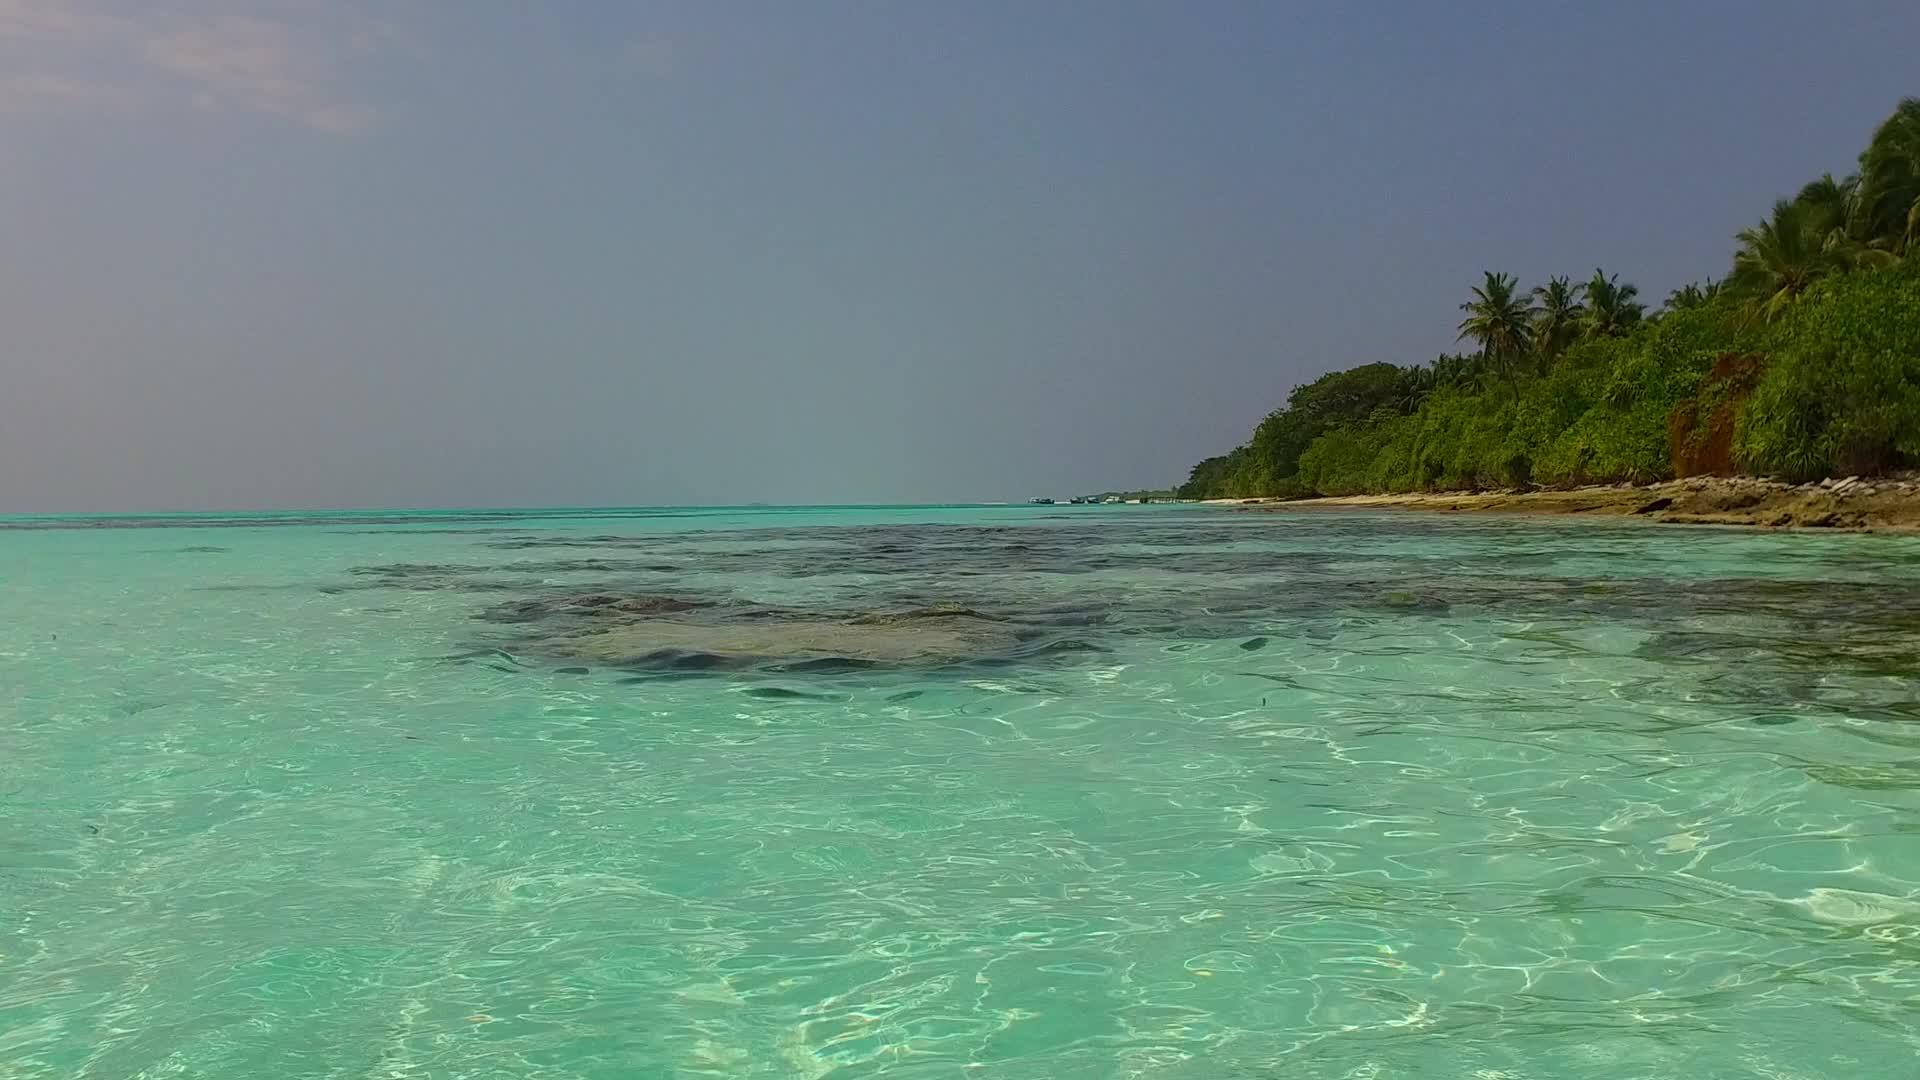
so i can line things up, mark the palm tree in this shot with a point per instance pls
(1692, 295)
(1556, 313)
(1416, 384)
(1497, 319)
(1890, 181)
(1783, 256)
(1611, 307)
(1459, 372)
(1833, 208)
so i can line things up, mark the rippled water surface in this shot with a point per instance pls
(1016, 792)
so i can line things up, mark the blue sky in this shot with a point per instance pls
(489, 253)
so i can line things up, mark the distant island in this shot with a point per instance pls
(1802, 363)
(1150, 495)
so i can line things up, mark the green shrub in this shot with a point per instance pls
(1841, 392)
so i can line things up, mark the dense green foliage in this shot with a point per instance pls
(1841, 393)
(1804, 361)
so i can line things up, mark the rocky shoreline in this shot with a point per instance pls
(1857, 504)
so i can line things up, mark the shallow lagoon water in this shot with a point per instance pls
(1189, 793)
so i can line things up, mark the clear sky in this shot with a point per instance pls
(487, 252)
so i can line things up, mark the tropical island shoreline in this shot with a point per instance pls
(1853, 504)
(1801, 364)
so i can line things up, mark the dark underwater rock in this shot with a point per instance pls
(918, 615)
(1404, 600)
(541, 608)
(781, 693)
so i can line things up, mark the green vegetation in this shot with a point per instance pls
(1802, 362)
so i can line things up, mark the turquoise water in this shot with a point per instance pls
(947, 792)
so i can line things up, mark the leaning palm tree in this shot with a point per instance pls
(1497, 319)
(1612, 309)
(1556, 313)
(1890, 181)
(1782, 257)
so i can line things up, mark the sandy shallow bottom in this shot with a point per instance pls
(1048, 793)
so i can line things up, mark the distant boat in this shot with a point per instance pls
(1041, 502)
